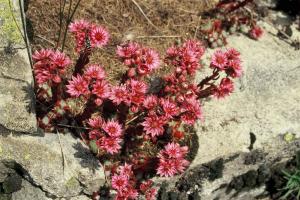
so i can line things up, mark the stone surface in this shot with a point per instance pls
(239, 179)
(42, 162)
(265, 101)
(16, 81)
(29, 192)
(253, 177)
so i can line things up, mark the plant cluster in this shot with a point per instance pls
(229, 16)
(135, 129)
(292, 187)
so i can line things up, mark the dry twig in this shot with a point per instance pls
(141, 10)
(62, 153)
(158, 36)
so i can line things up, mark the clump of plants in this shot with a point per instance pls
(292, 187)
(136, 128)
(228, 17)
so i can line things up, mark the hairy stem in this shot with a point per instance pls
(209, 78)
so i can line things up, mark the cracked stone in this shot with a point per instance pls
(40, 160)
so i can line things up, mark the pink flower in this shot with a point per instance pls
(150, 102)
(126, 170)
(219, 60)
(113, 128)
(109, 144)
(94, 135)
(42, 54)
(78, 25)
(173, 150)
(78, 86)
(256, 32)
(95, 122)
(99, 36)
(196, 47)
(127, 50)
(151, 194)
(101, 89)
(172, 51)
(226, 87)
(138, 86)
(42, 72)
(166, 168)
(169, 107)
(119, 94)
(60, 59)
(153, 125)
(128, 193)
(50, 66)
(119, 182)
(150, 58)
(232, 54)
(94, 72)
(143, 69)
(180, 164)
(137, 99)
(171, 160)
(191, 110)
(146, 185)
(234, 68)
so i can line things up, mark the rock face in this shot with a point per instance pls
(244, 176)
(59, 167)
(265, 102)
(16, 81)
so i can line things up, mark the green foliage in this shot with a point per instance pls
(293, 184)
(8, 28)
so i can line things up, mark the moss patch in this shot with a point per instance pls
(8, 27)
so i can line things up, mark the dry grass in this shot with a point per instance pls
(157, 24)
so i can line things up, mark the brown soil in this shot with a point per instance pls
(172, 21)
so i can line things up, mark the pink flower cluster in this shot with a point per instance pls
(132, 94)
(186, 57)
(171, 160)
(128, 122)
(91, 84)
(162, 111)
(124, 183)
(50, 66)
(108, 135)
(229, 62)
(140, 60)
(147, 189)
(83, 30)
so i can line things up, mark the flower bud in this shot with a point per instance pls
(134, 109)
(185, 85)
(98, 101)
(131, 72)
(180, 98)
(127, 62)
(178, 70)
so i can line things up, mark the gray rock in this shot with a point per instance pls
(12, 183)
(16, 81)
(265, 101)
(40, 159)
(28, 192)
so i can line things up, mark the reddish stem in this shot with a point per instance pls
(81, 62)
(206, 80)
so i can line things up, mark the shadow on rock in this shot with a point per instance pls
(87, 159)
